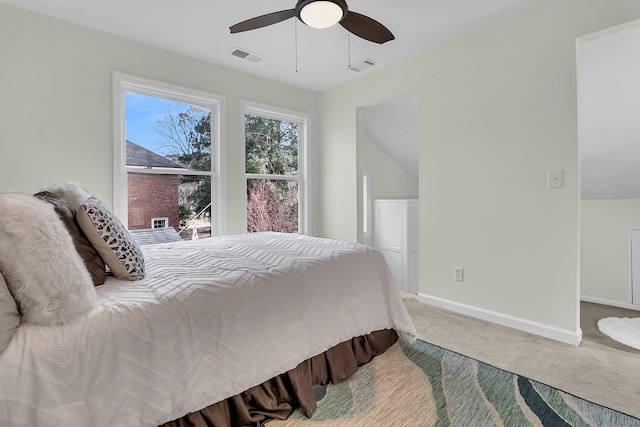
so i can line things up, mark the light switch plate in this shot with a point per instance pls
(555, 179)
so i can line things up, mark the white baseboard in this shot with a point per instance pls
(609, 302)
(551, 332)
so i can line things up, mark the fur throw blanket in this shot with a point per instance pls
(42, 268)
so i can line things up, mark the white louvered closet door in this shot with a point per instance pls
(395, 235)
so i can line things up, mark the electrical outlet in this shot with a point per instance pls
(458, 274)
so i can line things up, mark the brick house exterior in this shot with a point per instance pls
(151, 195)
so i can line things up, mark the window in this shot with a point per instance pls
(159, 222)
(274, 164)
(167, 169)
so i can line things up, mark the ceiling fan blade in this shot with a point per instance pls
(263, 21)
(367, 28)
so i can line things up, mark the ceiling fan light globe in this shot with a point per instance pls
(321, 14)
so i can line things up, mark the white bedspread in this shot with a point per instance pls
(212, 318)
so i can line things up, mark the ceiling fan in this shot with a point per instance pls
(322, 14)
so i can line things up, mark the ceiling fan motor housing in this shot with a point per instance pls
(302, 3)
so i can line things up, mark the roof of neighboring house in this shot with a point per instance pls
(152, 236)
(140, 156)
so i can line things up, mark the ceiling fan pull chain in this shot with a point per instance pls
(295, 23)
(349, 49)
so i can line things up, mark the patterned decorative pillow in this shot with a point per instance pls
(42, 268)
(87, 252)
(111, 239)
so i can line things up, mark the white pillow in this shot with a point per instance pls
(73, 193)
(40, 263)
(9, 316)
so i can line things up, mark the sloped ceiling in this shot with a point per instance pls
(609, 110)
(394, 127)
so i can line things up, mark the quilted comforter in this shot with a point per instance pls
(211, 319)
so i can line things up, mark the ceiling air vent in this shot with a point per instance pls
(246, 55)
(362, 65)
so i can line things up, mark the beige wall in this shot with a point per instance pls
(604, 247)
(498, 109)
(56, 102)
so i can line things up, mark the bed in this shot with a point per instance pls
(231, 330)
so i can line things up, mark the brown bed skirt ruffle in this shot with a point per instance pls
(279, 396)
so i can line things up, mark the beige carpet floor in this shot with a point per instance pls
(592, 371)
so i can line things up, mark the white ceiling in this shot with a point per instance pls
(200, 29)
(609, 108)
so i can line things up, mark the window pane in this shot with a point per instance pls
(195, 207)
(159, 222)
(271, 146)
(176, 198)
(272, 205)
(162, 133)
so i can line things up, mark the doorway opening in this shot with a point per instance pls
(388, 138)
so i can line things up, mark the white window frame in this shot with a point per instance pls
(164, 218)
(122, 83)
(304, 142)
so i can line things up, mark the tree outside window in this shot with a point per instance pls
(272, 170)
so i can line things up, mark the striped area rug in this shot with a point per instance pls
(425, 385)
